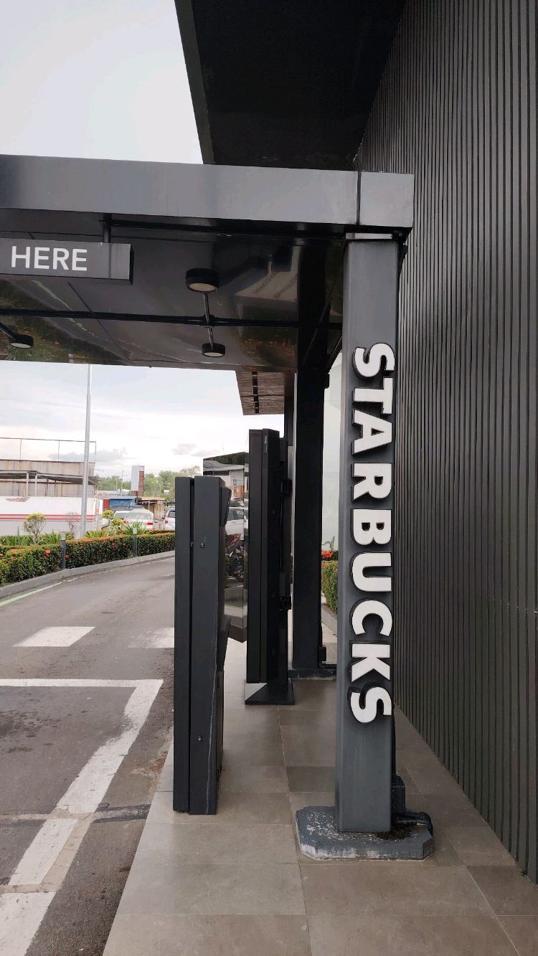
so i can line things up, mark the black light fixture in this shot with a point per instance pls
(213, 349)
(202, 280)
(17, 340)
(206, 281)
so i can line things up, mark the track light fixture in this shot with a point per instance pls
(206, 281)
(17, 340)
(202, 280)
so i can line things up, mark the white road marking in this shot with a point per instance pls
(20, 918)
(19, 597)
(161, 637)
(89, 787)
(43, 851)
(55, 637)
(55, 846)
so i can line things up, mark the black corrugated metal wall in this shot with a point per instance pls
(457, 107)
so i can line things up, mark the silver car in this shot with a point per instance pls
(141, 516)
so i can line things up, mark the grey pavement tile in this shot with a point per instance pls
(389, 935)
(214, 889)
(407, 737)
(428, 774)
(446, 810)
(523, 931)
(174, 935)
(253, 748)
(227, 843)
(235, 763)
(477, 846)
(444, 853)
(508, 892)
(166, 779)
(244, 778)
(399, 888)
(311, 778)
(302, 747)
(410, 785)
(316, 695)
(242, 808)
(251, 720)
(289, 716)
(316, 798)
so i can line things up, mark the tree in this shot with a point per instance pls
(111, 483)
(34, 525)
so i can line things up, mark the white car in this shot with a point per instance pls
(141, 516)
(236, 521)
(170, 519)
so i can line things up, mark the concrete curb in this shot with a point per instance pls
(32, 584)
(328, 618)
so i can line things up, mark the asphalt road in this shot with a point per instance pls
(85, 719)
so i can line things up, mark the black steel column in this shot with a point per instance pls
(308, 499)
(310, 382)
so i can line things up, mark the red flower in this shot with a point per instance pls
(47, 551)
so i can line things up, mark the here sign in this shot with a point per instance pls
(80, 260)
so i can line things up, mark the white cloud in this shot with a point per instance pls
(161, 418)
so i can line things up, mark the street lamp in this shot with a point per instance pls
(86, 465)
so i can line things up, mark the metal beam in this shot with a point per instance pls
(198, 320)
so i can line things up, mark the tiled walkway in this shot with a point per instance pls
(234, 884)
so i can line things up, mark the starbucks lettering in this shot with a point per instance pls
(371, 525)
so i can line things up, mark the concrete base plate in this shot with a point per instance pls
(320, 840)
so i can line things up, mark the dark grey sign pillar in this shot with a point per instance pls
(369, 798)
(365, 542)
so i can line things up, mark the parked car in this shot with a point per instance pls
(235, 524)
(141, 516)
(170, 519)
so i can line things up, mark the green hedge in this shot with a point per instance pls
(19, 564)
(156, 541)
(23, 563)
(329, 583)
(97, 550)
(8, 541)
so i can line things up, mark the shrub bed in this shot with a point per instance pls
(97, 550)
(329, 583)
(156, 541)
(19, 564)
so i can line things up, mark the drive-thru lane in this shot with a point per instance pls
(85, 716)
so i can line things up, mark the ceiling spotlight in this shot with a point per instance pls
(202, 280)
(17, 340)
(213, 350)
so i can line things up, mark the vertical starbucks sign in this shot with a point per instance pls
(366, 613)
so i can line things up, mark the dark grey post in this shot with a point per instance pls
(365, 597)
(200, 642)
(370, 797)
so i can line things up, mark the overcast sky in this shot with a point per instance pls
(93, 78)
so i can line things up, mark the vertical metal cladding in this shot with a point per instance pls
(457, 107)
